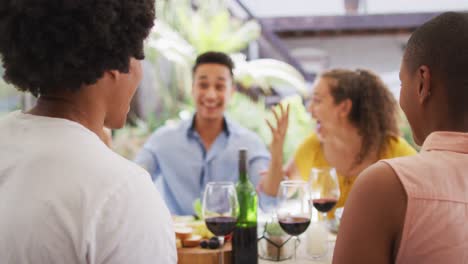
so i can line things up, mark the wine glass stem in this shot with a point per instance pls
(295, 249)
(221, 250)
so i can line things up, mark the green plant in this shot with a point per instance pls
(267, 73)
(210, 26)
(180, 33)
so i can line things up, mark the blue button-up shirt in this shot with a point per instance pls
(180, 165)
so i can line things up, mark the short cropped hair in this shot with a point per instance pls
(442, 45)
(215, 58)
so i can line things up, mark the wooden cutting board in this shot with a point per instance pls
(198, 255)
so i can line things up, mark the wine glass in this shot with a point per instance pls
(324, 191)
(293, 209)
(220, 209)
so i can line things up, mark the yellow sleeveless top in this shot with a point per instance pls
(310, 155)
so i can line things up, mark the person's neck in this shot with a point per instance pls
(84, 112)
(442, 116)
(345, 139)
(208, 129)
(342, 148)
(460, 125)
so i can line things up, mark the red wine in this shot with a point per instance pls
(324, 205)
(244, 245)
(221, 225)
(294, 225)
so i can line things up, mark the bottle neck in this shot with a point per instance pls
(243, 177)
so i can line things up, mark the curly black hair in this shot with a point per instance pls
(374, 109)
(51, 45)
(216, 58)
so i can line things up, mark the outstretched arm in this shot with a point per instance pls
(148, 159)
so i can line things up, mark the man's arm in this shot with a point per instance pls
(147, 159)
(373, 218)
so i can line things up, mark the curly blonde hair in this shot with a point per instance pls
(374, 109)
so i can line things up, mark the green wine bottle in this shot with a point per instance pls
(244, 241)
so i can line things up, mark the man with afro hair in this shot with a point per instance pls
(64, 196)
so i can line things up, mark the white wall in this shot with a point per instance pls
(379, 53)
(275, 8)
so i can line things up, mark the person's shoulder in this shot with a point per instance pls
(398, 147)
(78, 160)
(384, 172)
(242, 132)
(166, 135)
(128, 175)
(9, 117)
(312, 140)
(89, 161)
(309, 152)
(381, 182)
(7, 125)
(310, 143)
(170, 129)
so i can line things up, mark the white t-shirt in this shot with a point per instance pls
(67, 198)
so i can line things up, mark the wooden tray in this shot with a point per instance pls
(198, 255)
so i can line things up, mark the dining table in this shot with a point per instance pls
(303, 257)
(211, 256)
(206, 256)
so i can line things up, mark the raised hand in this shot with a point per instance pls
(269, 183)
(278, 131)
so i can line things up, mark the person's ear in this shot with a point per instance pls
(193, 86)
(110, 79)
(232, 89)
(345, 107)
(424, 83)
(113, 74)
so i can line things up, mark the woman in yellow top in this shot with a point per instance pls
(356, 117)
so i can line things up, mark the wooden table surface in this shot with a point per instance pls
(198, 255)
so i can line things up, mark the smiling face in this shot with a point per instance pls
(212, 88)
(328, 114)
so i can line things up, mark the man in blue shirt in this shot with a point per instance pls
(182, 158)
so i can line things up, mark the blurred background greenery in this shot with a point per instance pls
(181, 33)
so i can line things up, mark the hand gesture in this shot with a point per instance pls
(278, 131)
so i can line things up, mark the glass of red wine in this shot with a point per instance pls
(324, 194)
(293, 209)
(324, 189)
(220, 209)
